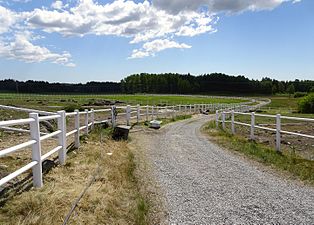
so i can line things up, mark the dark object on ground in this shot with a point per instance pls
(49, 127)
(121, 133)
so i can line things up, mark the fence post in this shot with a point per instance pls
(173, 112)
(157, 111)
(113, 116)
(278, 129)
(166, 111)
(146, 112)
(217, 118)
(232, 122)
(152, 112)
(86, 121)
(223, 120)
(179, 109)
(138, 113)
(92, 118)
(36, 151)
(128, 115)
(185, 109)
(77, 128)
(62, 137)
(252, 125)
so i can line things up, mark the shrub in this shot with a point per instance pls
(71, 108)
(300, 94)
(306, 104)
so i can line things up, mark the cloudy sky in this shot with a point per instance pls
(83, 40)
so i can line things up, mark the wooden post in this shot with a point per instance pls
(86, 121)
(252, 125)
(128, 115)
(217, 118)
(278, 129)
(77, 128)
(113, 116)
(147, 112)
(36, 151)
(232, 122)
(62, 137)
(223, 120)
(92, 118)
(138, 114)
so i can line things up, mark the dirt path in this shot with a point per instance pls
(204, 184)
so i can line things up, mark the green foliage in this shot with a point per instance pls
(300, 94)
(306, 104)
(291, 89)
(72, 107)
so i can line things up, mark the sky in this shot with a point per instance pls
(87, 40)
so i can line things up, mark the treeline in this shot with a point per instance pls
(209, 83)
(169, 83)
(31, 86)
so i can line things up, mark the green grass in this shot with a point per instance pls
(293, 164)
(63, 100)
(170, 120)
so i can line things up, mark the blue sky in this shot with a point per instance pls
(80, 41)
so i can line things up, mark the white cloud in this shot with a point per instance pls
(21, 48)
(150, 48)
(149, 22)
(57, 5)
(7, 19)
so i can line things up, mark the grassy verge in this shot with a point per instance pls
(294, 165)
(112, 198)
(170, 120)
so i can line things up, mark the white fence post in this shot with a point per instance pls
(190, 108)
(179, 109)
(113, 116)
(36, 151)
(138, 115)
(128, 115)
(62, 137)
(152, 112)
(232, 122)
(223, 120)
(157, 111)
(166, 111)
(147, 113)
(77, 128)
(92, 118)
(86, 121)
(173, 112)
(217, 118)
(278, 129)
(252, 125)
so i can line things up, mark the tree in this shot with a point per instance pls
(291, 90)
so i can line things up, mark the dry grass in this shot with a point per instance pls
(112, 198)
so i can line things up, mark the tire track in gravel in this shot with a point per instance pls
(204, 184)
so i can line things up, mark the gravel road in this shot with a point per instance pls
(204, 184)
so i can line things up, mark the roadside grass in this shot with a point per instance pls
(112, 198)
(170, 120)
(286, 161)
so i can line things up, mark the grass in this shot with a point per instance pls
(170, 120)
(289, 162)
(64, 100)
(113, 197)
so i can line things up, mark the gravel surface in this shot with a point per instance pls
(204, 184)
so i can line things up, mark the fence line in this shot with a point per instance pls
(138, 113)
(278, 130)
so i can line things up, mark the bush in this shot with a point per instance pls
(300, 94)
(306, 104)
(71, 108)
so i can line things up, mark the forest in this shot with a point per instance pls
(168, 83)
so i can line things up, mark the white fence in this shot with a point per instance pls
(125, 114)
(278, 131)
